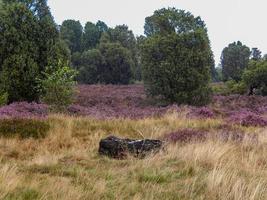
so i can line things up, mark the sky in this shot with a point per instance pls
(227, 20)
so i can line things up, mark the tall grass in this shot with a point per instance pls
(66, 165)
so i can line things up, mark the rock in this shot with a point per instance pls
(119, 148)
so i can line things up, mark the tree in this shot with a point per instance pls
(255, 77)
(29, 41)
(255, 54)
(71, 32)
(102, 27)
(234, 60)
(18, 57)
(176, 57)
(47, 36)
(126, 38)
(58, 87)
(91, 36)
(166, 21)
(91, 62)
(117, 64)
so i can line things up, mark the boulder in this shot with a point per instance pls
(119, 148)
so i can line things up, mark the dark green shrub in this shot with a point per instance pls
(3, 98)
(176, 57)
(24, 128)
(255, 77)
(236, 87)
(177, 67)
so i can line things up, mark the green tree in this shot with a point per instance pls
(91, 36)
(102, 26)
(255, 54)
(71, 32)
(18, 57)
(166, 21)
(117, 64)
(91, 62)
(255, 77)
(126, 38)
(58, 87)
(234, 60)
(176, 57)
(29, 41)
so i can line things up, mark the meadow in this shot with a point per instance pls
(212, 152)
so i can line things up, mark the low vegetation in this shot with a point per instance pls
(66, 164)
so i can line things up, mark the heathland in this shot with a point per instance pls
(212, 152)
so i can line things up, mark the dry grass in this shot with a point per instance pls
(66, 165)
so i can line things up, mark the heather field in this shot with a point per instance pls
(212, 152)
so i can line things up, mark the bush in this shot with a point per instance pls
(3, 98)
(177, 67)
(255, 77)
(236, 87)
(58, 88)
(229, 87)
(176, 57)
(23, 127)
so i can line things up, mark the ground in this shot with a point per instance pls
(213, 152)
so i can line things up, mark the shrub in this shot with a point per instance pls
(3, 99)
(24, 110)
(255, 77)
(58, 88)
(186, 136)
(23, 127)
(176, 57)
(236, 87)
(176, 67)
(246, 118)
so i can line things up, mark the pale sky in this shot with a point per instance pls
(227, 20)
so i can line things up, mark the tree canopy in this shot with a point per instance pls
(234, 60)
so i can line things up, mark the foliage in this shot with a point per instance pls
(176, 57)
(71, 32)
(236, 87)
(234, 60)
(91, 36)
(166, 21)
(23, 127)
(89, 66)
(255, 77)
(18, 78)
(177, 67)
(255, 54)
(28, 43)
(58, 87)
(3, 98)
(121, 34)
(117, 64)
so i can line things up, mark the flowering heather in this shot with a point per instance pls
(203, 112)
(185, 136)
(110, 101)
(130, 101)
(227, 104)
(247, 118)
(24, 110)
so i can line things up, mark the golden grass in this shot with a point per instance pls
(66, 165)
